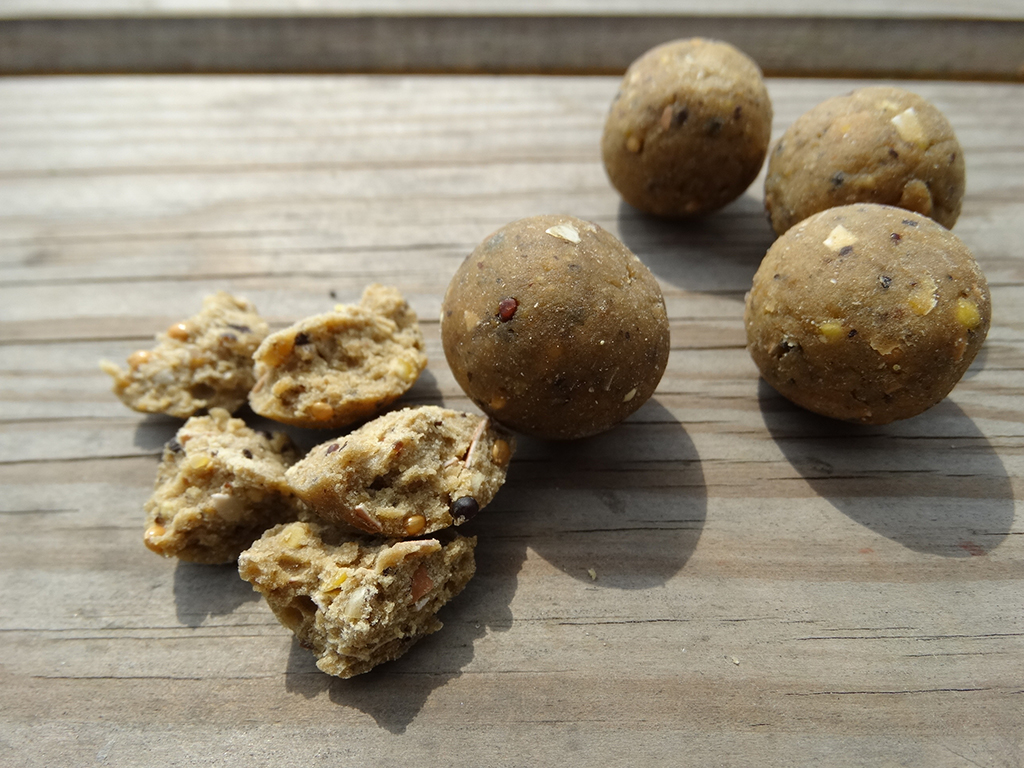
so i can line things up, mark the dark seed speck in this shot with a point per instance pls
(240, 328)
(846, 250)
(247, 453)
(910, 223)
(895, 237)
(301, 338)
(838, 178)
(332, 448)
(465, 507)
(714, 126)
(886, 281)
(173, 445)
(852, 333)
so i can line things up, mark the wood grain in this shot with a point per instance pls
(772, 587)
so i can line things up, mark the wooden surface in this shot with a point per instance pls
(772, 588)
(946, 40)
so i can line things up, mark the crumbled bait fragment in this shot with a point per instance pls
(465, 508)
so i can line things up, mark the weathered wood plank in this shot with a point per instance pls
(771, 587)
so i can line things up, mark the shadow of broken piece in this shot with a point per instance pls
(393, 693)
(932, 483)
(154, 430)
(204, 591)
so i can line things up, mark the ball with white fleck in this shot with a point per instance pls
(878, 144)
(554, 328)
(867, 313)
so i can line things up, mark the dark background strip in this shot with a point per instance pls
(796, 46)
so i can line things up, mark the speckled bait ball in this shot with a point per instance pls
(689, 128)
(867, 313)
(554, 328)
(874, 145)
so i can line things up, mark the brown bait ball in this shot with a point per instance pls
(874, 145)
(554, 328)
(867, 313)
(689, 129)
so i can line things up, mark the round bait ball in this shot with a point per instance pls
(689, 128)
(554, 328)
(875, 145)
(867, 313)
